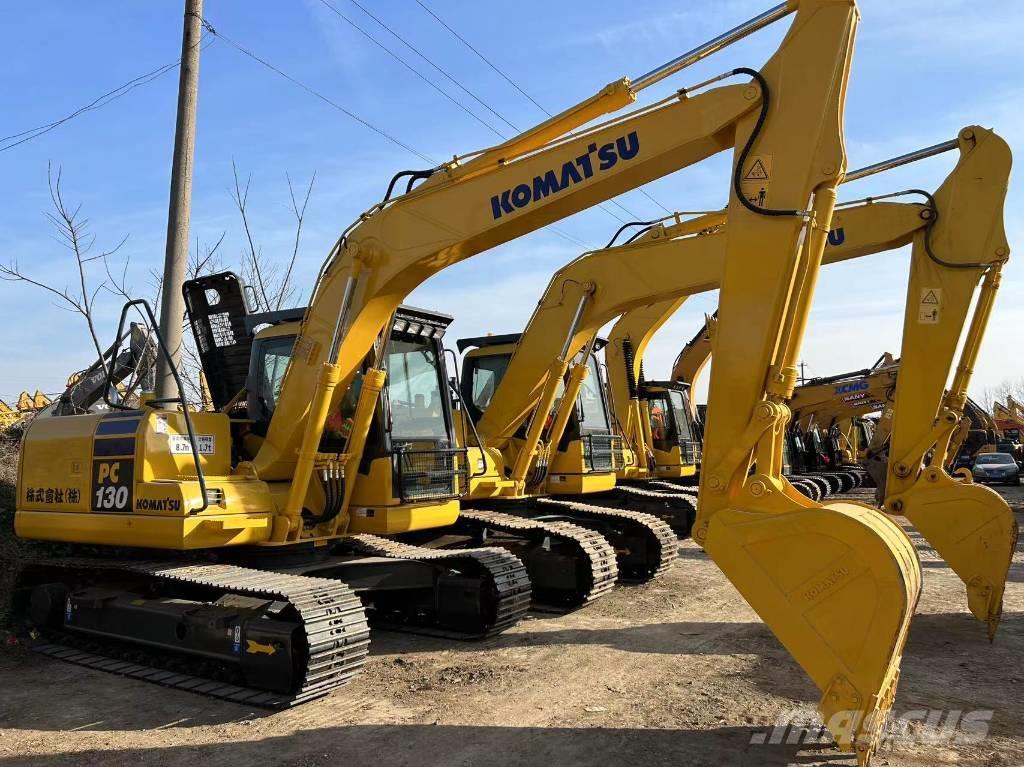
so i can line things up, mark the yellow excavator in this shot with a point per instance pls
(978, 433)
(1009, 413)
(227, 554)
(529, 472)
(1008, 421)
(825, 438)
(170, 480)
(825, 400)
(656, 418)
(958, 242)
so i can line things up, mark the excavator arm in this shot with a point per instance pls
(462, 210)
(965, 217)
(694, 356)
(969, 525)
(642, 283)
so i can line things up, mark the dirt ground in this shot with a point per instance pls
(675, 672)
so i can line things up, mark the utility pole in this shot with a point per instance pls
(803, 378)
(172, 305)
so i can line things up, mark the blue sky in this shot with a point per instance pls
(922, 69)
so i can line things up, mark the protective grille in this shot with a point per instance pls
(429, 475)
(691, 452)
(600, 451)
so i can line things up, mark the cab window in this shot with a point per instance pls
(414, 391)
(275, 356)
(487, 375)
(591, 400)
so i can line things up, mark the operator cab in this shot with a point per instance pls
(589, 424)
(672, 423)
(412, 430)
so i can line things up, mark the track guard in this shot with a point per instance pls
(838, 585)
(972, 528)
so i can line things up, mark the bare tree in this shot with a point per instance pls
(271, 283)
(72, 233)
(285, 290)
(202, 261)
(1008, 387)
(97, 272)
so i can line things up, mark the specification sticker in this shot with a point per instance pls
(180, 444)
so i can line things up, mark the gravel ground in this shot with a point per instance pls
(679, 671)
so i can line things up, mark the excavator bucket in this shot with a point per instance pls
(973, 530)
(837, 585)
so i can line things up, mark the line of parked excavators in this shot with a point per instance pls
(344, 480)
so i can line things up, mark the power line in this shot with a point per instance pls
(515, 85)
(487, 61)
(448, 75)
(412, 69)
(452, 78)
(440, 69)
(313, 92)
(97, 103)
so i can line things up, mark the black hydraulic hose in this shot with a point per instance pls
(416, 174)
(628, 357)
(929, 225)
(639, 234)
(646, 224)
(737, 177)
(419, 176)
(394, 180)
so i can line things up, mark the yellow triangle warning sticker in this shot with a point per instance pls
(930, 298)
(757, 172)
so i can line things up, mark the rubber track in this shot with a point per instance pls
(674, 493)
(661, 532)
(333, 621)
(507, 573)
(668, 487)
(603, 568)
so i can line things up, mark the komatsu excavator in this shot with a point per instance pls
(513, 481)
(969, 525)
(656, 418)
(283, 620)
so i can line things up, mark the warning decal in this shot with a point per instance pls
(756, 178)
(757, 172)
(930, 307)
